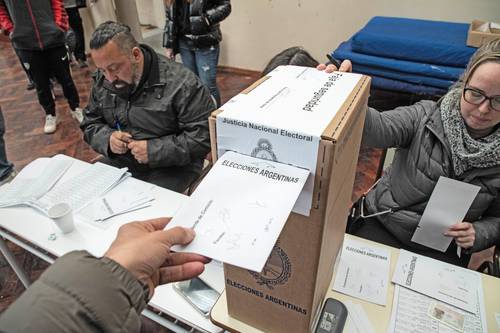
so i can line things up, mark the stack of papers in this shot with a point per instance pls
(414, 312)
(39, 184)
(434, 296)
(448, 283)
(127, 199)
(30, 185)
(80, 190)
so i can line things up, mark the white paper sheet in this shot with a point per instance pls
(357, 319)
(36, 179)
(240, 208)
(448, 283)
(283, 119)
(127, 199)
(363, 271)
(448, 204)
(81, 189)
(409, 314)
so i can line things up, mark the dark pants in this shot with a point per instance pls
(42, 65)
(175, 178)
(372, 229)
(22, 65)
(5, 166)
(75, 22)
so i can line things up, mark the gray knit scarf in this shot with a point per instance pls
(466, 152)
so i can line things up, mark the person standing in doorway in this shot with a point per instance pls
(192, 28)
(36, 29)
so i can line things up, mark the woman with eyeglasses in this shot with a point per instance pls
(457, 137)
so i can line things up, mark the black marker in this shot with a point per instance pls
(333, 61)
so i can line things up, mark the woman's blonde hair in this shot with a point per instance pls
(489, 52)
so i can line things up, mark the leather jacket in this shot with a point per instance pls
(204, 19)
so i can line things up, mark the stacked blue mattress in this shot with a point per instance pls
(409, 55)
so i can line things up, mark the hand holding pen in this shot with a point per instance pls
(334, 65)
(118, 141)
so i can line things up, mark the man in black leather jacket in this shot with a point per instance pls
(146, 112)
(192, 28)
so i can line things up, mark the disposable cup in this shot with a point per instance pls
(62, 215)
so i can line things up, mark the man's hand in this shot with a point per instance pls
(143, 248)
(118, 142)
(345, 66)
(169, 53)
(464, 234)
(139, 149)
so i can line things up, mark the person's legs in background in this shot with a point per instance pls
(7, 171)
(58, 60)
(206, 62)
(31, 84)
(188, 56)
(36, 63)
(75, 22)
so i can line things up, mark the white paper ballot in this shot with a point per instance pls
(290, 109)
(448, 204)
(363, 271)
(240, 208)
(448, 283)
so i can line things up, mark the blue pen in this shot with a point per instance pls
(117, 124)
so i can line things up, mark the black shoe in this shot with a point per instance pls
(30, 86)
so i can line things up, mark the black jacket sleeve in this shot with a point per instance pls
(79, 293)
(221, 10)
(193, 105)
(96, 130)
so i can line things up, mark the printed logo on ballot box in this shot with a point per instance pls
(277, 270)
(264, 150)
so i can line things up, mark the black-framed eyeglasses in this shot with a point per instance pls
(477, 97)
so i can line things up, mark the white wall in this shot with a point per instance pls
(258, 29)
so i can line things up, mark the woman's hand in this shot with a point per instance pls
(346, 66)
(464, 234)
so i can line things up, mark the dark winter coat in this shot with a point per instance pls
(204, 19)
(422, 156)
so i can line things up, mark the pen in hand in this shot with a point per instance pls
(333, 61)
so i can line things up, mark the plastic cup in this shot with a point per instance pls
(62, 215)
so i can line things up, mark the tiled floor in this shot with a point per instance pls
(26, 141)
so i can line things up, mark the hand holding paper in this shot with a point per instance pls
(448, 204)
(240, 208)
(464, 234)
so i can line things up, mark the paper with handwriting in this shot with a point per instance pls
(240, 208)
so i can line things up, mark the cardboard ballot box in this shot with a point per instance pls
(287, 294)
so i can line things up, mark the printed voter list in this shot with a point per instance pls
(240, 208)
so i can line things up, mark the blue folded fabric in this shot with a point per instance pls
(406, 77)
(344, 51)
(432, 42)
(395, 85)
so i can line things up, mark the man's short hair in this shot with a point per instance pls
(117, 32)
